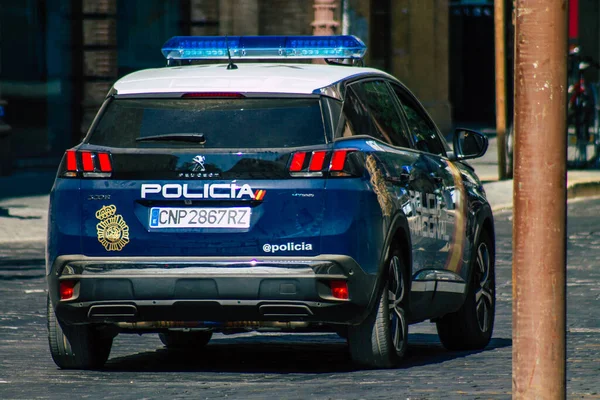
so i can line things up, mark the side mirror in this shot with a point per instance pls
(469, 144)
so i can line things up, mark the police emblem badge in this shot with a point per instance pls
(113, 232)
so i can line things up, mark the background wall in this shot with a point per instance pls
(58, 58)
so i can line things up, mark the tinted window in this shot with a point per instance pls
(225, 123)
(424, 133)
(358, 120)
(380, 102)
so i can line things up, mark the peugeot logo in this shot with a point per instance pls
(199, 161)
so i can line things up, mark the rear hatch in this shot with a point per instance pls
(209, 175)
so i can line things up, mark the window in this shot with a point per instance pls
(226, 123)
(379, 100)
(374, 114)
(358, 120)
(424, 132)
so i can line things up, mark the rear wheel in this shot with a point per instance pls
(76, 346)
(381, 340)
(185, 340)
(471, 327)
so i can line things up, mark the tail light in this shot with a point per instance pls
(336, 163)
(87, 164)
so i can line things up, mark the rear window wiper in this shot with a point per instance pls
(175, 137)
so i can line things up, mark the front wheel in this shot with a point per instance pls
(76, 346)
(470, 328)
(381, 340)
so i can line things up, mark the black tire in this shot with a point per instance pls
(76, 346)
(470, 328)
(381, 340)
(185, 340)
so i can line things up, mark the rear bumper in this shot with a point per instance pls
(208, 290)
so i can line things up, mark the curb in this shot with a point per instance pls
(575, 190)
(583, 188)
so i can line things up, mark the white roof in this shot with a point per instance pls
(260, 78)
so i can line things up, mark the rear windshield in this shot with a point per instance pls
(224, 123)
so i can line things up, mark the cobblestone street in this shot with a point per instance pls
(298, 366)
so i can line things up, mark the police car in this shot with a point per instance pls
(236, 196)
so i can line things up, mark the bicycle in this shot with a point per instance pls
(583, 122)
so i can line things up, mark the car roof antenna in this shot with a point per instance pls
(231, 65)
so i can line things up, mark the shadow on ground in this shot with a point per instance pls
(260, 355)
(5, 212)
(27, 183)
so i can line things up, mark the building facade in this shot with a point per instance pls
(58, 58)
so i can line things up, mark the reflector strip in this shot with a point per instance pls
(67, 289)
(338, 160)
(339, 289)
(316, 161)
(105, 165)
(297, 162)
(87, 161)
(71, 161)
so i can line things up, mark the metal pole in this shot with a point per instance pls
(539, 241)
(345, 18)
(324, 23)
(500, 87)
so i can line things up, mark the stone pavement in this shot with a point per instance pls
(300, 366)
(580, 183)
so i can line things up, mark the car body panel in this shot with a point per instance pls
(258, 78)
(430, 206)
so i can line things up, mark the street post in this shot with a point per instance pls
(499, 29)
(539, 227)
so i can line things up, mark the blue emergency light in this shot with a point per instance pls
(263, 47)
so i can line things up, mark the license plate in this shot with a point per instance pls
(170, 217)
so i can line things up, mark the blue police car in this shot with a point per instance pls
(234, 196)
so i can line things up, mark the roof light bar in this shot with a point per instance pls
(263, 47)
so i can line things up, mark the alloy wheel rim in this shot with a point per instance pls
(396, 293)
(484, 296)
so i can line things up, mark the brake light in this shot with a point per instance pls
(71, 161)
(105, 164)
(87, 164)
(87, 161)
(297, 161)
(214, 95)
(316, 161)
(322, 162)
(339, 289)
(338, 160)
